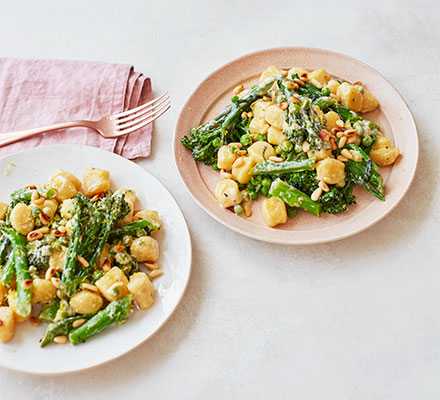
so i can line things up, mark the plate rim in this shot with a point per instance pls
(268, 238)
(184, 288)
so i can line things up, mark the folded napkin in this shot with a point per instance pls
(35, 93)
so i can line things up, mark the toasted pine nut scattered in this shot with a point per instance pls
(32, 187)
(333, 144)
(299, 82)
(38, 202)
(247, 210)
(227, 175)
(284, 73)
(295, 100)
(334, 97)
(244, 115)
(316, 194)
(62, 229)
(56, 282)
(357, 83)
(106, 266)
(342, 158)
(347, 154)
(340, 123)
(316, 83)
(50, 273)
(350, 132)
(96, 197)
(60, 339)
(88, 286)
(291, 85)
(284, 106)
(156, 273)
(37, 233)
(275, 159)
(27, 284)
(324, 186)
(84, 262)
(35, 195)
(58, 233)
(304, 76)
(238, 89)
(235, 144)
(78, 322)
(342, 141)
(306, 147)
(250, 114)
(152, 265)
(34, 321)
(48, 211)
(266, 98)
(241, 152)
(339, 134)
(43, 218)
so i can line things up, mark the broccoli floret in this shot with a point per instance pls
(337, 199)
(304, 181)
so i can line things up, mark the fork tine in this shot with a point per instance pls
(151, 112)
(141, 107)
(133, 116)
(147, 121)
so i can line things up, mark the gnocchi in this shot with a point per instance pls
(86, 302)
(22, 219)
(142, 289)
(96, 181)
(113, 285)
(7, 324)
(228, 193)
(145, 249)
(274, 211)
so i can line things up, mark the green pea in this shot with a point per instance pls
(261, 137)
(215, 167)
(264, 191)
(250, 187)
(295, 108)
(367, 141)
(234, 99)
(238, 209)
(255, 181)
(246, 140)
(287, 146)
(278, 149)
(291, 211)
(325, 91)
(266, 182)
(254, 195)
(216, 142)
(246, 195)
(298, 148)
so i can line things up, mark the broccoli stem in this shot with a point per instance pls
(116, 311)
(133, 228)
(269, 167)
(294, 197)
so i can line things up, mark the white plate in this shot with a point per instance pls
(34, 167)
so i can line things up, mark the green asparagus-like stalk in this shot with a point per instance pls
(63, 327)
(269, 167)
(131, 229)
(294, 197)
(8, 271)
(115, 312)
(18, 243)
(4, 246)
(49, 311)
(205, 140)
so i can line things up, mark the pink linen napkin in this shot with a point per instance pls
(35, 93)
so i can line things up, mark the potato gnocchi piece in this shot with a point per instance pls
(7, 325)
(148, 214)
(43, 291)
(241, 169)
(331, 117)
(228, 193)
(369, 102)
(22, 219)
(3, 292)
(113, 285)
(259, 107)
(350, 96)
(271, 71)
(274, 116)
(69, 176)
(58, 258)
(320, 75)
(226, 157)
(258, 125)
(3, 210)
(320, 154)
(275, 136)
(145, 249)
(332, 85)
(96, 181)
(330, 171)
(256, 151)
(129, 195)
(65, 188)
(142, 290)
(274, 211)
(66, 209)
(382, 153)
(86, 302)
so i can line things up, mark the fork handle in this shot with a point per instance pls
(11, 137)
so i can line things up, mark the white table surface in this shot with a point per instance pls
(354, 319)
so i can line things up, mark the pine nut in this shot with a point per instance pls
(284, 106)
(250, 114)
(342, 141)
(50, 273)
(339, 134)
(62, 229)
(316, 83)
(266, 98)
(88, 286)
(295, 100)
(275, 159)
(34, 321)
(152, 265)
(306, 147)
(96, 197)
(244, 115)
(27, 284)
(84, 262)
(106, 266)
(291, 85)
(32, 187)
(235, 144)
(60, 339)
(333, 144)
(304, 76)
(156, 273)
(340, 123)
(39, 201)
(241, 152)
(238, 89)
(316, 194)
(299, 82)
(48, 211)
(334, 97)
(324, 186)
(247, 210)
(35, 195)
(58, 233)
(350, 132)
(342, 158)
(56, 282)
(347, 154)
(34, 235)
(78, 322)
(351, 139)
(284, 73)
(227, 175)
(43, 219)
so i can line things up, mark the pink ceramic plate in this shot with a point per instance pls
(393, 116)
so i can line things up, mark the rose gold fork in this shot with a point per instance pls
(109, 126)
